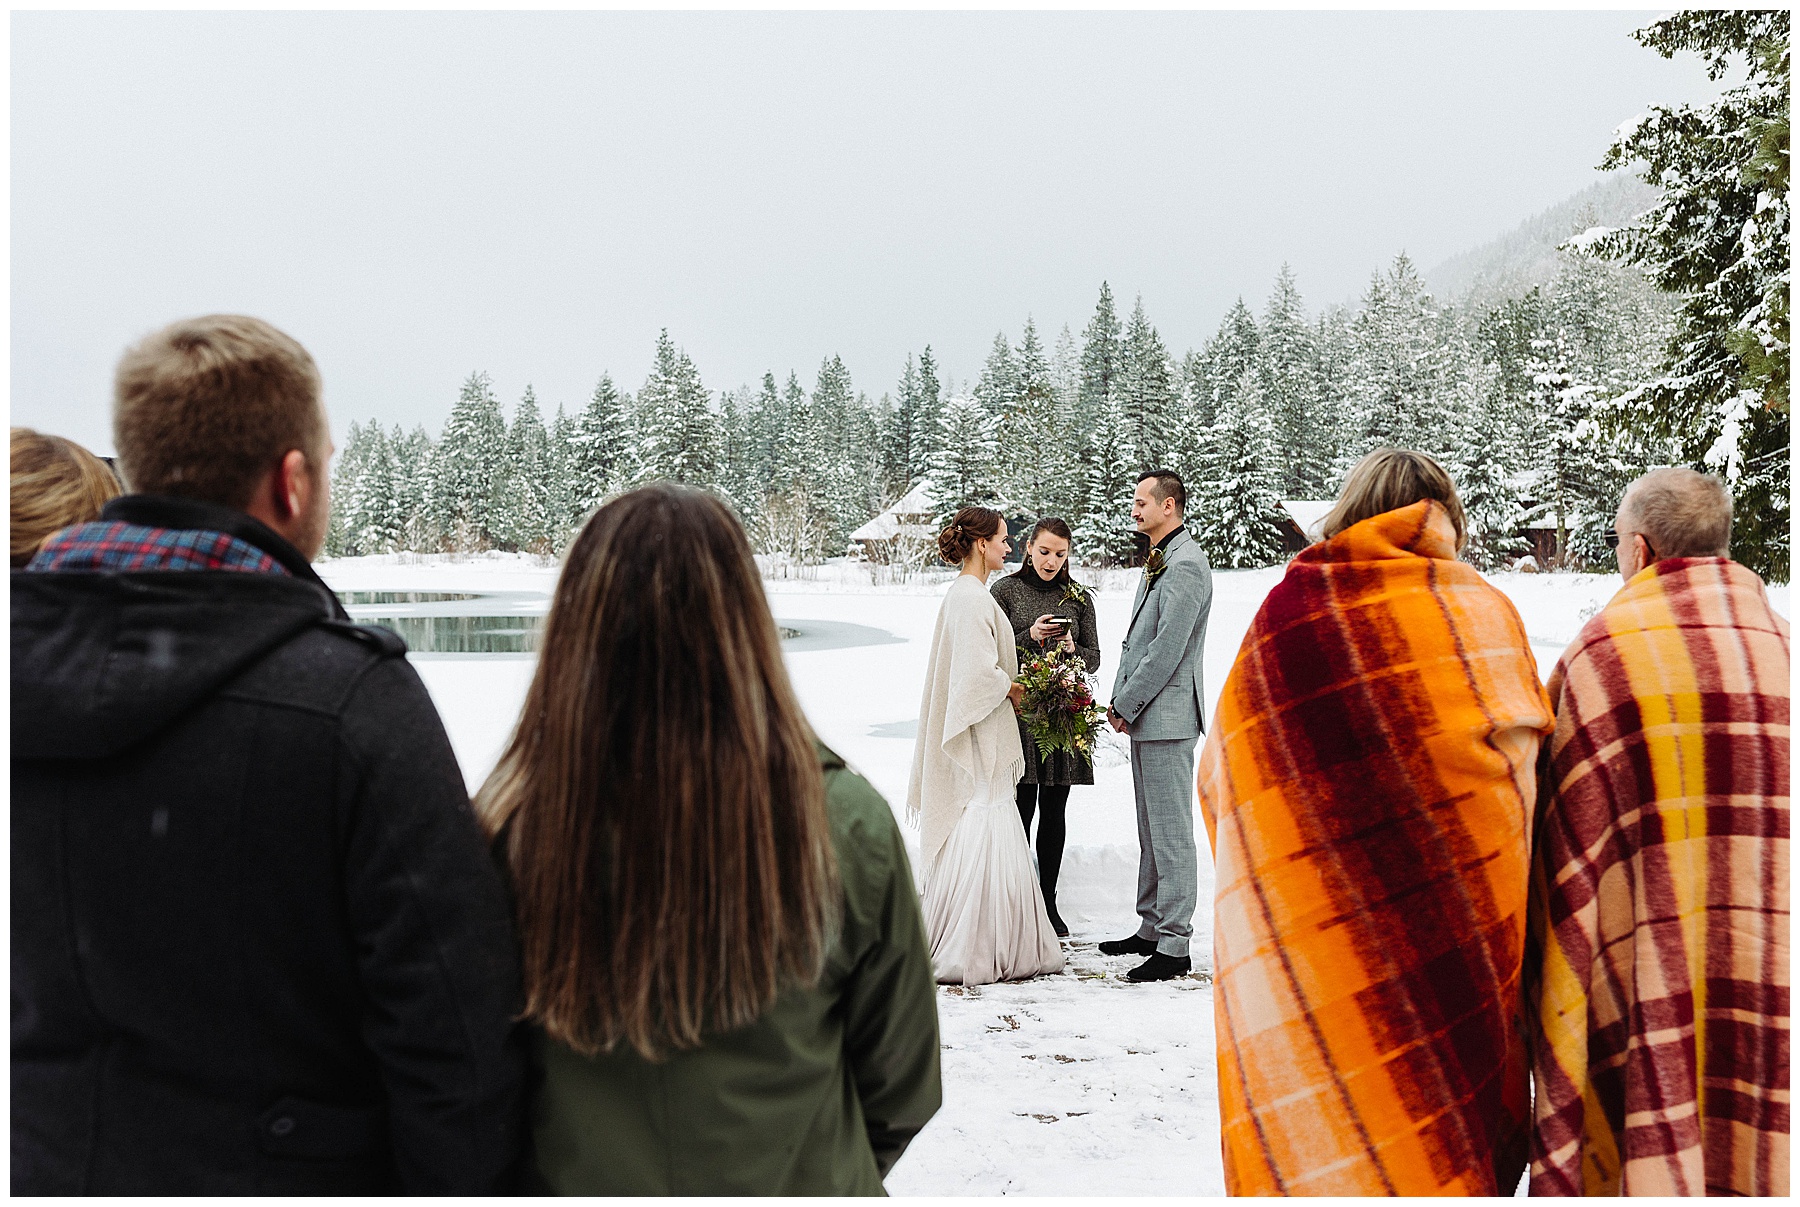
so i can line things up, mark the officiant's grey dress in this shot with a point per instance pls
(1025, 596)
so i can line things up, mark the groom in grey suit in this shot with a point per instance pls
(1157, 699)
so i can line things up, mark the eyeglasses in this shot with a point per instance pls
(1612, 540)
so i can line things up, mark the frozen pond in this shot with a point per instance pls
(455, 623)
(462, 624)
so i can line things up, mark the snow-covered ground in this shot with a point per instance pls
(1074, 1084)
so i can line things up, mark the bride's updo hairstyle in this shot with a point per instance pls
(969, 525)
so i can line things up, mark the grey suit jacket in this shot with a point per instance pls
(1157, 689)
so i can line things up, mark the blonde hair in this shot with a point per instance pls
(1388, 479)
(1682, 512)
(206, 406)
(55, 483)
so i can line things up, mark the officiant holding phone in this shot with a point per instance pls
(1049, 609)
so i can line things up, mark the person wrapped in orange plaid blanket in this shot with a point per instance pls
(1659, 912)
(1368, 788)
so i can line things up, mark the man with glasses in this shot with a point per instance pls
(1658, 949)
(1633, 549)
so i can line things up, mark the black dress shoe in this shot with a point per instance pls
(1057, 924)
(1160, 967)
(1133, 946)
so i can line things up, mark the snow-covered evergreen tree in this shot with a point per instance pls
(528, 518)
(795, 519)
(413, 454)
(802, 443)
(466, 469)
(1234, 350)
(387, 500)
(1103, 528)
(564, 515)
(925, 426)
(1503, 340)
(1332, 367)
(1289, 379)
(1105, 443)
(965, 469)
(1562, 472)
(770, 425)
(739, 480)
(1064, 480)
(1148, 391)
(1402, 368)
(1031, 447)
(1234, 516)
(1102, 359)
(346, 482)
(1485, 481)
(869, 491)
(997, 388)
(842, 438)
(900, 432)
(675, 431)
(1557, 357)
(597, 451)
(1720, 242)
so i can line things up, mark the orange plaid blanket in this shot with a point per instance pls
(1659, 912)
(1368, 787)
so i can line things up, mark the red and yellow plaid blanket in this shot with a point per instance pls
(1368, 787)
(1659, 919)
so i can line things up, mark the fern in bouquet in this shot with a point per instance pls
(1059, 710)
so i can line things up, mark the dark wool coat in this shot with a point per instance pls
(257, 945)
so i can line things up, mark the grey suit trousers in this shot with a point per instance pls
(1162, 777)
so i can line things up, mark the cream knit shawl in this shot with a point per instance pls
(968, 739)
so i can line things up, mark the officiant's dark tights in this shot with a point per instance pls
(1053, 826)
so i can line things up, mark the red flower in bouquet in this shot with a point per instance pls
(1058, 709)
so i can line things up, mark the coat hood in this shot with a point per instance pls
(103, 660)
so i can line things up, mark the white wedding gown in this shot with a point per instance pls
(984, 910)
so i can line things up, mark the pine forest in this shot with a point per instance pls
(1661, 342)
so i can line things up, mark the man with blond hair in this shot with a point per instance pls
(1659, 902)
(257, 944)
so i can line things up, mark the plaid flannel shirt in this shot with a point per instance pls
(110, 545)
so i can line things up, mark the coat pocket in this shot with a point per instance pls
(296, 1127)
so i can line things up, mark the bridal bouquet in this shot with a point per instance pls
(1059, 710)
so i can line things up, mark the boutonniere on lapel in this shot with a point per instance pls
(1073, 594)
(1154, 565)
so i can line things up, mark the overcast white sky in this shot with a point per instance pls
(417, 195)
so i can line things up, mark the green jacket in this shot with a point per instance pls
(819, 1096)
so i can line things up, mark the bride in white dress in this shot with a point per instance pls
(984, 910)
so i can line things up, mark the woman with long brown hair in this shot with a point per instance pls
(984, 910)
(724, 962)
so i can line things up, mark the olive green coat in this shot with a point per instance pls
(819, 1096)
